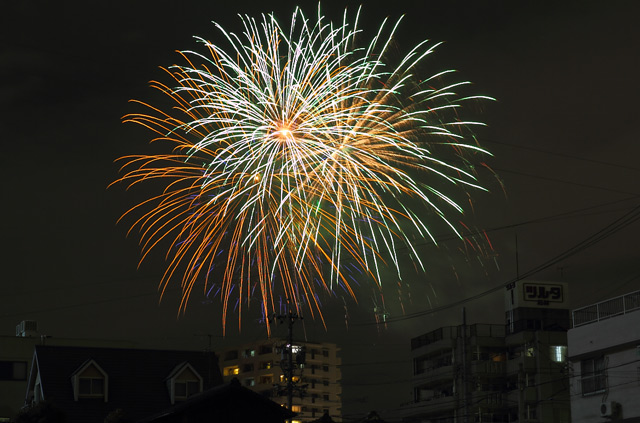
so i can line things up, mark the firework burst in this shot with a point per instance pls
(298, 151)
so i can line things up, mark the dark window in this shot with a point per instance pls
(13, 370)
(325, 397)
(593, 375)
(91, 386)
(184, 389)
(325, 367)
(325, 353)
(265, 349)
(231, 355)
(247, 367)
(325, 382)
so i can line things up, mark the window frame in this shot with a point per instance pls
(593, 375)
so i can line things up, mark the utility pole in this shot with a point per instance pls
(521, 388)
(286, 362)
(465, 400)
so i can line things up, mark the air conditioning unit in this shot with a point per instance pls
(609, 409)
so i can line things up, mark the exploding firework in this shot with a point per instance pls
(299, 154)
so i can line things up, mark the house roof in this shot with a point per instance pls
(136, 378)
(230, 402)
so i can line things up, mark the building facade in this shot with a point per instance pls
(512, 372)
(604, 351)
(317, 376)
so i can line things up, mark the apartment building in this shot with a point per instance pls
(316, 379)
(604, 351)
(511, 372)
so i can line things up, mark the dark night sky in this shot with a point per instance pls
(563, 132)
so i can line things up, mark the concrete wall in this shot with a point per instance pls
(617, 339)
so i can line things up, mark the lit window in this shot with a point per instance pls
(249, 353)
(266, 379)
(295, 348)
(249, 381)
(266, 365)
(558, 353)
(296, 408)
(231, 370)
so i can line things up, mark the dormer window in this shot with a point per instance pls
(91, 387)
(186, 388)
(183, 382)
(90, 381)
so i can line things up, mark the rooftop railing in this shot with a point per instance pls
(606, 309)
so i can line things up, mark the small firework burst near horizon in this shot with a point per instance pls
(300, 160)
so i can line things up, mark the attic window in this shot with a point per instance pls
(90, 381)
(91, 387)
(183, 382)
(185, 388)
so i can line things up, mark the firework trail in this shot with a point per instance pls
(298, 153)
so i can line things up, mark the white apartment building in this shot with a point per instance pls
(604, 350)
(258, 366)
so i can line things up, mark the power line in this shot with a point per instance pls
(563, 155)
(546, 178)
(596, 237)
(572, 251)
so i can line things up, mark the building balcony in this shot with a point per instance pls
(431, 406)
(530, 395)
(489, 368)
(434, 376)
(529, 365)
(488, 399)
(606, 309)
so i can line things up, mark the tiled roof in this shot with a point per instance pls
(228, 402)
(137, 379)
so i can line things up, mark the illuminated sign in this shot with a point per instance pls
(536, 294)
(542, 294)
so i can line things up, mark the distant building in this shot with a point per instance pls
(258, 367)
(16, 353)
(604, 351)
(90, 383)
(494, 372)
